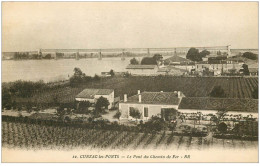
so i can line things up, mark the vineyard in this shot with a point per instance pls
(32, 136)
(234, 87)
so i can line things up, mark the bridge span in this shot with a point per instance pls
(123, 52)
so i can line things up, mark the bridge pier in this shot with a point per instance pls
(55, 56)
(123, 55)
(77, 56)
(100, 55)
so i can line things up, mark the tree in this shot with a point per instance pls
(255, 93)
(117, 115)
(77, 77)
(250, 55)
(96, 78)
(222, 127)
(112, 73)
(134, 61)
(155, 124)
(101, 103)
(193, 54)
(245, 69)
(217, 91)
(77, 72)
(157, 57)
(152, 60)
(204, 53)
(83, 106)
(148, 61)
(60, 112)
(135, 113)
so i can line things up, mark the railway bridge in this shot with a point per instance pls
(123, 52)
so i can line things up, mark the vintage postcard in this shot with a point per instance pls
(129, 82)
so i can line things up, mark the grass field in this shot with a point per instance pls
(32, 136)
(234, 87)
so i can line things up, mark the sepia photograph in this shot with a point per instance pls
(129, 82)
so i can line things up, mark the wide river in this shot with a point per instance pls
(54, 70)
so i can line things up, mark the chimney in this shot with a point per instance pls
(138, 92)
(140, 98)
(125, 97)
(179, 93)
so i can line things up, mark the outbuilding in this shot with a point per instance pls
(92, 95)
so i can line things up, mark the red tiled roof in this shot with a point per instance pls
(176, 59)
(169, 98)
(90, 93)
(230, 104)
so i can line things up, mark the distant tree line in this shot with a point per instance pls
(21, 56)
(250, 55)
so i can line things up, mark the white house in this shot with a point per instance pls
(142, 69)
(149, 104)
(92, 95)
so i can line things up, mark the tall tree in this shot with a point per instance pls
(193, 54)
(250, 55)
(204, 53)
(134, 61)
(245, 69)
(101, 103)
(157, 57)
(148, 61)
(135, 113)
(111, 72)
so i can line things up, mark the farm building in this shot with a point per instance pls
(206, 105)
(142, 69)
(171, 70)
(92, 95)
(150, 104)
(253, 68)
(253, 71)
(176, 60)
(218, 67)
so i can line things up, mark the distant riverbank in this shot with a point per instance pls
(60, 70)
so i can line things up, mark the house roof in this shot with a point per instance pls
(230, 104)
(140, 66)
(168, 98)
(176, 58)
(90, 93)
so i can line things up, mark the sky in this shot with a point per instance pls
(29, 26)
